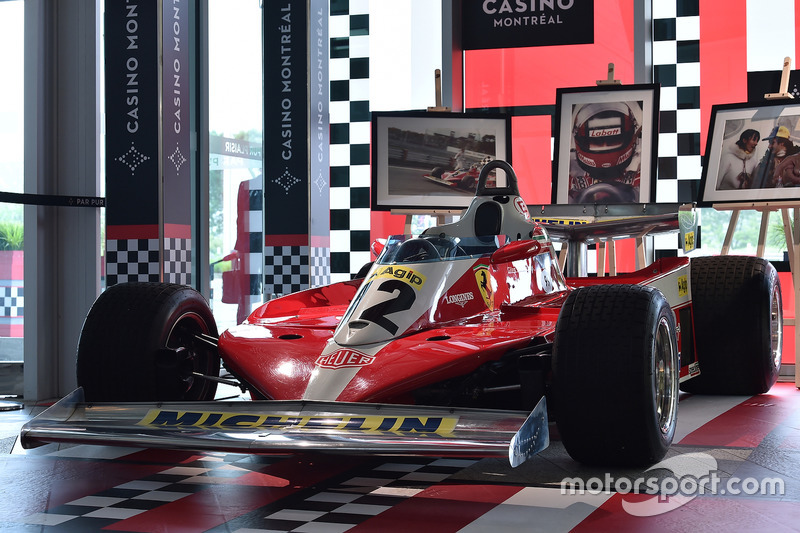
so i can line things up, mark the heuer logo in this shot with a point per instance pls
(460, 299)
(345, 358)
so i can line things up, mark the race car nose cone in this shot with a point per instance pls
(358, 332)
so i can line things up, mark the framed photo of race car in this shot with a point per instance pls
(606, 144)
(431, 160)
(752, 153)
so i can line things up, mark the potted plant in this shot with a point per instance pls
(12, 240)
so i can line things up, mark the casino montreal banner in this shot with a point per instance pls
(519, 23)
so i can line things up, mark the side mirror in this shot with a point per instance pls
(514, 251)
(377, 246)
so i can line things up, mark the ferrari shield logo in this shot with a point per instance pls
(484, 279)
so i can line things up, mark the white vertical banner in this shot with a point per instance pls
(770, 34)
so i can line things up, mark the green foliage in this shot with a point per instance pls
(12, 236)
(12, 213)
(745, 236)
(222, 266)
(776, 236)
(713, 224)
(215, 223)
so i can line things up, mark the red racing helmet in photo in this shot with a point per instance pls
(605, 138)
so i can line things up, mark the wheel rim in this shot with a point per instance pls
(196, 356)
(776, 327)
(666, 383)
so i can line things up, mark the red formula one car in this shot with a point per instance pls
(459, 341)
(461, 178)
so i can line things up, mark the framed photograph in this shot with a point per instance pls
(606, 144)
(745, 145)
(431, 160)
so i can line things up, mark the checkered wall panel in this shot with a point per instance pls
(12, 301)
(350, 137)
(178, 261)
(320, 266)
(676, 63)
(286, 270)
(250, 235)
(131, 260)
(676, 60)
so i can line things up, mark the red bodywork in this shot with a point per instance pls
(278, 349)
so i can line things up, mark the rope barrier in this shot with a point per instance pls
(52, 200)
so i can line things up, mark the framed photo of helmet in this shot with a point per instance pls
(752, 153)
(606, 144)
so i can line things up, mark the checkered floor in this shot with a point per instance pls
(91, 488)
(320, 496)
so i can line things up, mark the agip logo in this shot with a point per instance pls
(408, 275)
(344, 359)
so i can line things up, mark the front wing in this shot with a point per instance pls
(294, 426)
(440, 181)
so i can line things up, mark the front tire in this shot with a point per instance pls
(468, 183)
(738, 324)
(615, 375)
(139, 343)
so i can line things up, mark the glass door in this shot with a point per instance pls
(235, 167)
(12, 297)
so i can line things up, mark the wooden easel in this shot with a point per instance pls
(791, 231)
(609, 244)
(610, 79)
(437, 80)
(440, 214)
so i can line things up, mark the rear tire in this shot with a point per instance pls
(738, 324)
(615, 375)
(121, 352)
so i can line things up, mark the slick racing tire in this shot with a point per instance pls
(615, 375)
(738, 325)
(437, 172)
(468, 183)
(140, 343)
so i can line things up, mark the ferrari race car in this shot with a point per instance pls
(463, 341)
(462, 178)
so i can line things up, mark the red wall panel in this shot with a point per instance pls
(723, 57)
(530, 76)
(531, 157)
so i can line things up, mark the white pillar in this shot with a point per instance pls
(62, 135)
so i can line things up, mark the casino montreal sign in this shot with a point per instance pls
(495, 7)
(490, 24)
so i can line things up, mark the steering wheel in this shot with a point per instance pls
(607, 192)
(416, 250)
